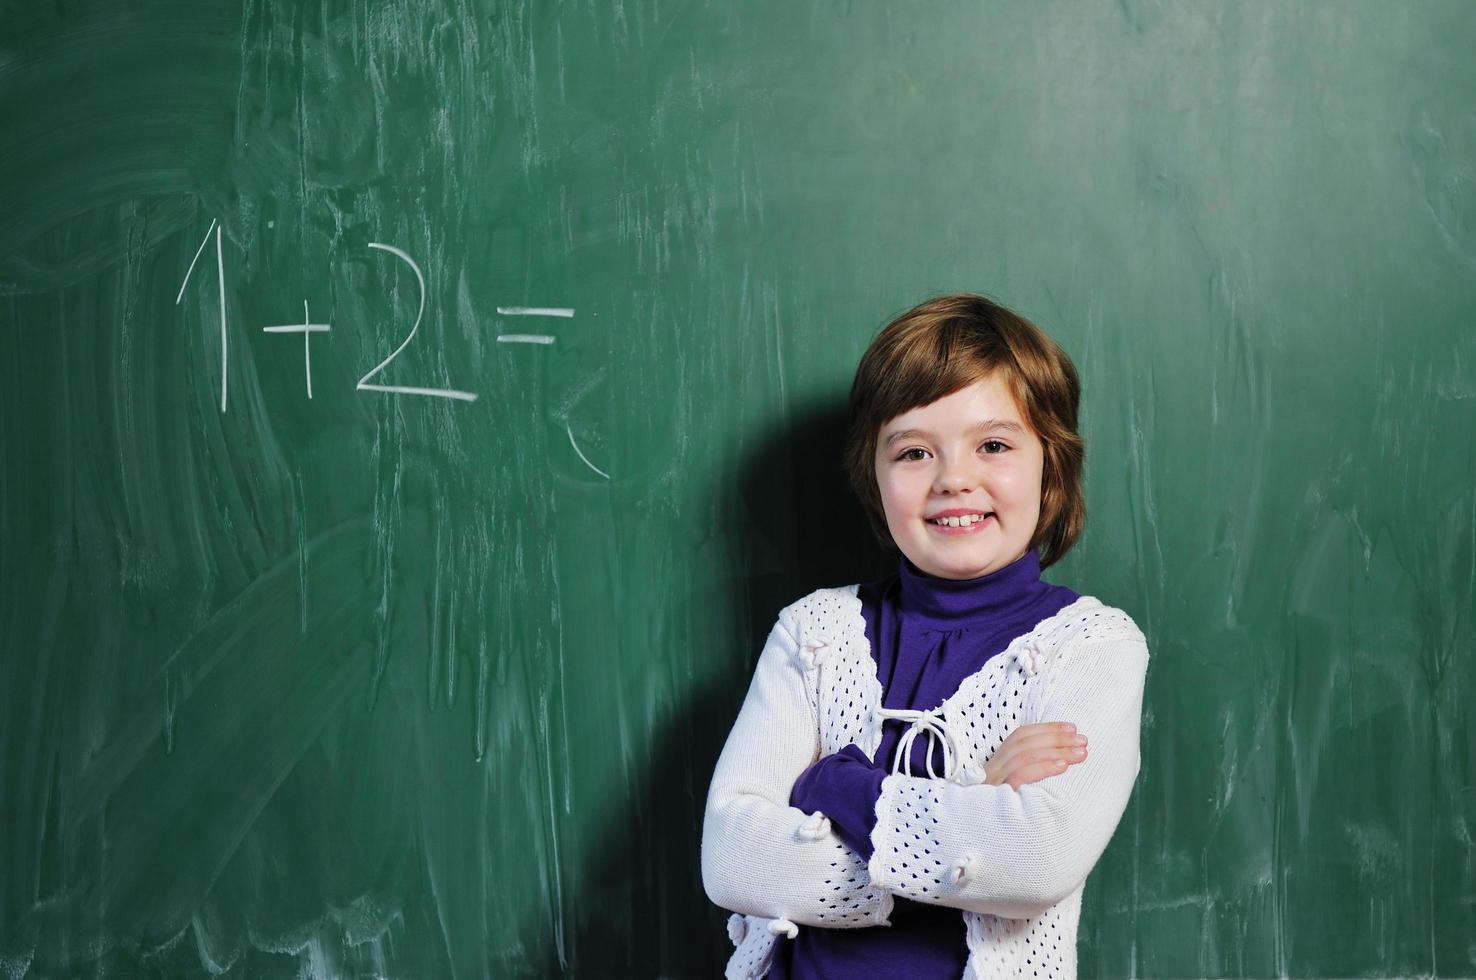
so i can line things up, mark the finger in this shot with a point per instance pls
(1055, 759)
(1037, 741)
(1036, 727)
(1035, 773)
(1037, 731)
(1046, 756)
(1071, 755)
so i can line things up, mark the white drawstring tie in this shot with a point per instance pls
(930, 722)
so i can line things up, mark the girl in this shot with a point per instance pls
(912, 753)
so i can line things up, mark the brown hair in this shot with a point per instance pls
(948, 343)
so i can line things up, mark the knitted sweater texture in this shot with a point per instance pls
(1014, 862)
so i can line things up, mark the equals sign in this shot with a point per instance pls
(531, 338)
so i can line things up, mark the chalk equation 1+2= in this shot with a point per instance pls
(307, 328)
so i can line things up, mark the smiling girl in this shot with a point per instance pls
(912, 753)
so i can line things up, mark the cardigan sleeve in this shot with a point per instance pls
(1014, 854)
(761, 856)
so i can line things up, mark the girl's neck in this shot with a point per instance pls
(943, 603)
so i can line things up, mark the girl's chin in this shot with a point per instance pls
(964, 563)
(957, 570)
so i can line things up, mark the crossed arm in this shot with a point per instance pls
(984, 848)
(761, 856)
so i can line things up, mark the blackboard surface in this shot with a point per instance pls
(313, 665)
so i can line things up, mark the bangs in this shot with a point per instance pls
(926, 360)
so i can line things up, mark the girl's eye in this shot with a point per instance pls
(994, 442)
(906, 454)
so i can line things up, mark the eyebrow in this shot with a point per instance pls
(975, 429)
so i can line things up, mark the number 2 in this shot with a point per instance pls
(364, 384)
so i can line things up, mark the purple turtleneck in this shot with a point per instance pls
(927, 634)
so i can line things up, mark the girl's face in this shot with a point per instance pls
(968, 456)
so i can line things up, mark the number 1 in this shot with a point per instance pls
(220, 275)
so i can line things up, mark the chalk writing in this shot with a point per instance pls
(307, 328)
(364, 384)
(220, 276)
(367, 383)
(580, 452)
(561, 311)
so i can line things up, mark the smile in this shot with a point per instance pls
(962, 524)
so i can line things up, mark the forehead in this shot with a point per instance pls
(986, 400)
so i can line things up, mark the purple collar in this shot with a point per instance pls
(950, 604)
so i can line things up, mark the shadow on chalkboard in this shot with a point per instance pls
(643, 912)
(808, 528)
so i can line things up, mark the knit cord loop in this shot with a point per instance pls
(931, 722)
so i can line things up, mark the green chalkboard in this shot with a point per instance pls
(400, 640)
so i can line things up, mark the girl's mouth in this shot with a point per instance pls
(966, 524)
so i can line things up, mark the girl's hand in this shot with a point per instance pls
(1033, 752)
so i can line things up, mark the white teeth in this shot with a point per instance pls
(963, 521)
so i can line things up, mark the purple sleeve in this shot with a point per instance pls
(844, 787)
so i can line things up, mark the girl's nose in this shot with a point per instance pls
(954, 478)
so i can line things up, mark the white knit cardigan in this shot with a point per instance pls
(1014, 861)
